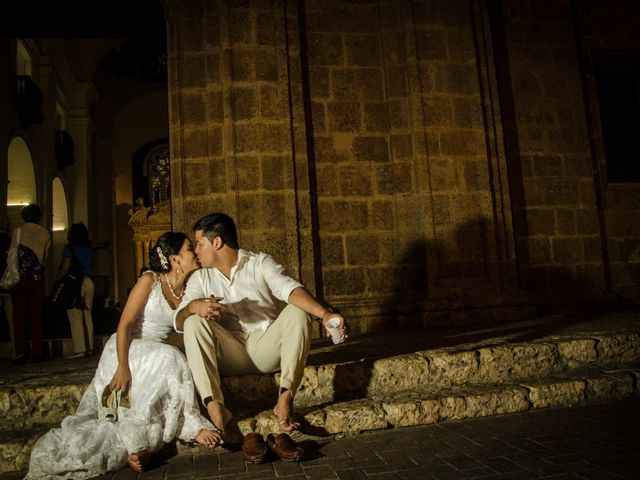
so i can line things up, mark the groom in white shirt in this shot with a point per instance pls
(232, 324)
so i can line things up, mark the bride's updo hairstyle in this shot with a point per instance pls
(167, 244)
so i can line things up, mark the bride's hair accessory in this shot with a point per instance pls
(163, 259)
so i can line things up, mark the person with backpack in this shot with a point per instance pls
(78, 254)
(27, 296)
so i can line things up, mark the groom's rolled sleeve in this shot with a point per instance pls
(280, 284)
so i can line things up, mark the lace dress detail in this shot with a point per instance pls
(163, 405)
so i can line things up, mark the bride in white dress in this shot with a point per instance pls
(136, 359)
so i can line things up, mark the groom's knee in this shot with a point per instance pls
(297, 318)
(194, 325)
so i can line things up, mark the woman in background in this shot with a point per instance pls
(27, 296)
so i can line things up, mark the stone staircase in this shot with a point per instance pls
(381, 381)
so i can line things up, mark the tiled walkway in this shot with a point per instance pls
(589, 442)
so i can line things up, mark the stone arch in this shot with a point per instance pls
(60, 205)
(22, 188)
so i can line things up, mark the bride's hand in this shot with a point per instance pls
(121, 379)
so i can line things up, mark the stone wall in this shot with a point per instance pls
(612, 28)
(234, 119)
(552, 176)
(400, 157)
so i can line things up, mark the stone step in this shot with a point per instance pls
(395, 379)
(431, 405)
(47, 400)
(405, 408)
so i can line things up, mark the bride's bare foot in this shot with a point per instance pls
(220, 416)
(209, 438)
(284, 411)
(139, 460)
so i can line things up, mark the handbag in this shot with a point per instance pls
(11, 275)
(66, 290)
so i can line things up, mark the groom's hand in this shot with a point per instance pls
(208, 308)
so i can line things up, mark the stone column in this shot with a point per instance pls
(236, 125)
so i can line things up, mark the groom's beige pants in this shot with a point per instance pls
(213, 351)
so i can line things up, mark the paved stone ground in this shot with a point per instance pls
(589, 442)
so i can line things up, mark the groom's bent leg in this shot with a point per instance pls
(212, 350)
(200, 347)
(283, 346)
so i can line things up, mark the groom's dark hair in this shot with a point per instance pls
(218, 225)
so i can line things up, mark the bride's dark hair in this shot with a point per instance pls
(168, 244)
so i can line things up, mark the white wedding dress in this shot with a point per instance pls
(163, 405)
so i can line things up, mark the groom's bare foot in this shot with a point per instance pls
(220, 416)
(284, 411)
(139, 460)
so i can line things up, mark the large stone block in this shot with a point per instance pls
(243, 64)
(566, 221)
(240, 26)
(541, 221)
(371, 148)
(340, 282)
(214, 105)
(362, 250)
(394, 179)
(264, 26)
(617, 349)
(355, 181)
(325, 49)
(456, 79)
(267, 69)
(245, 103)
(362, 50)
(319, 82)
(397, 84)
(399, 114)
(431, 44)
(517, 361)
(406, 411)
(402, 147)
(376, 117)
(192, 70)
(561, 393)
(400, 373)
(452, 368)
(339, 215)
(579, 352)
(247, 173)
(610, 387)
(567, 250)
(357, 416)
(274, 172)
(26, 407)
(332, 248)
(344, 117)
(195, 144)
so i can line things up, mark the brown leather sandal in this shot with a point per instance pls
(285, 448)
(253, 448)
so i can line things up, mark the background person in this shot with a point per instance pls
(28, 294)
(79, 246)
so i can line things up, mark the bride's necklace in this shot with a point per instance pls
(177, 297)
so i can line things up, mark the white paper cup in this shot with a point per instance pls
(332, 326)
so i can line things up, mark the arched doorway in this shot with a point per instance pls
(22, 188)
(60, 224)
